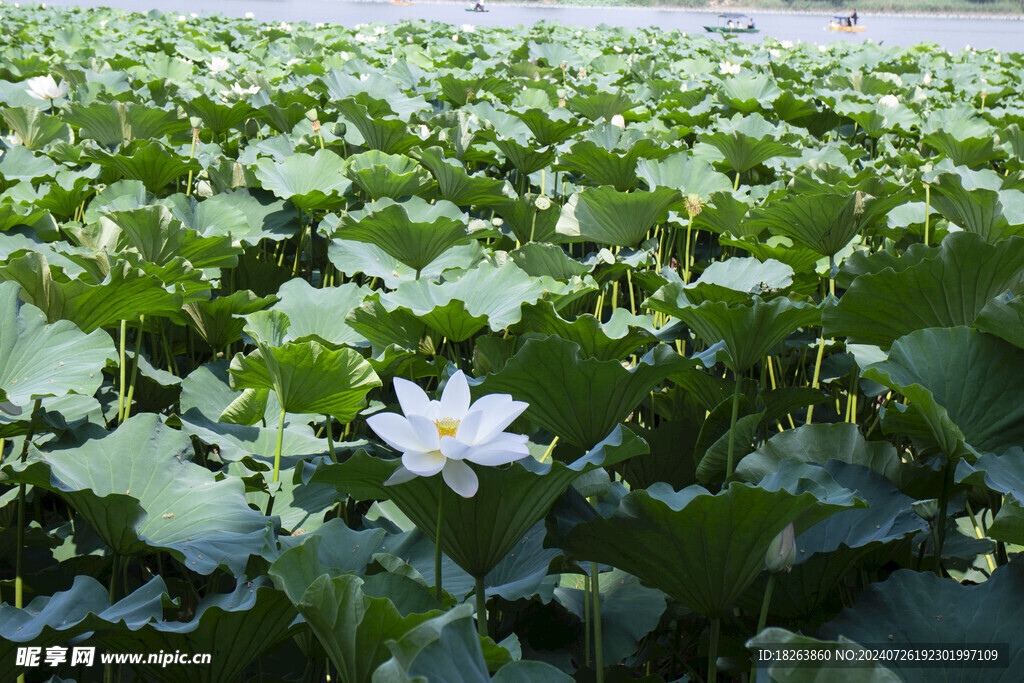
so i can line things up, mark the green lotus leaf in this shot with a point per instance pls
(962, 136)
(117, 122)
(216, 321)
(616, 339)
(388, 175)
(552, 127)
(307, 377)
(217, 116)
(530, 671)
(159, 238)
(40, 359)
(319, 314)
(483, 296)
(749, 93)
(580, 399)
(139, 491)
(927, 287)
(33, 128)
(478, 532)
(310, 182)
(975, 201)
(145, 160)
(820, 443)
(1000, 473)
(962, 386)
(778, 248)
(748, 332)
(385, 133)
(743, 152)
(528, 222)
(1004, 319)
(538, 260)
(600, 105)
(702, 549)
(684, 173)
(414, 231)
(236, 437)
(21, 163)
(253, 613)
(732, 281)
(50, 620)
(607, 216)
(818, 672)
(876, 119)
(903, 610)
(524, 155)
(456, 185)
(443, 648)
(459, 91)
(609, 167)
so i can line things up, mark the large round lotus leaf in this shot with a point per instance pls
(966, 389)
(579, 399)
(148, 161)
(913, 608)
(413, 231)
(743, 152)
(159, 238)
(748, 332)
(479, 531)
(117, 122)
(682, 172)
(616, 339)
(485, 296)
(820, 443)
(551, 127)
(319, 314)
(702, 549)
(976, 202)
(456, 185)
(379, 129)
(607, 216)
(310, 182)
(749, 92)
(305, 376)
(388, 175)
(609, 167)
(1004, 319)
(218, 321)
(818, 671)
(938, 287)
(124, 293)
(38, 359)
(732, 281)
(443, 648)
(139, 491)
(253, 613)
(54, 619)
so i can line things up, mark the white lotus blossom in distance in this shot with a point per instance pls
(927, 80)
(728, 68)
(889, 101)
(45, 88)
(775, 54)
(455, 37)
(440, 436)
(219, 64)
(618, 122)
(182, 18)
(786, 44)
(468, 28)
(250, 15)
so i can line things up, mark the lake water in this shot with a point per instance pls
(953, 33)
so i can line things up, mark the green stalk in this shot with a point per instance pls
(763, 619)
(277, 460)
(19, 561)
(135, 370)
(481, 608)
(120, 393)
(438, 590)
(108, 670)
(732, 425)
(686, 259)
(940, 527)
(330, 439)
(817, 374)
(598, 644)
(927, 210)
(716, 626)
(586, 619)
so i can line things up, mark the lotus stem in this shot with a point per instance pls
(716, 626)
(481, 608)
(817, 374)
(595, 576)
(19, 561)
(732, 425)
(927, 210)
(686, 258)
(330, 439)
(940, 527)
(438, 590)
(763, 619)
(586, 619)
(736, 182)
(632, 297)
(120, 393)
(980, 535)
(135, 371)
(277, 460)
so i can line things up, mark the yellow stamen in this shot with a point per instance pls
(446, 426)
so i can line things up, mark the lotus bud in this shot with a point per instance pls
(927, 80)
(889, 101)
(781, 555)
(619, 122)
(316, 126)
(561, 102)
(195, 136)
(927, 510)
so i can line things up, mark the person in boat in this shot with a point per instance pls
(853, 17)
(479, 6)
(728, 24)
(750, 23)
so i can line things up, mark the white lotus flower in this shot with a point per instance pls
(927, 80)
(728, 68)
(193, 15)
(786, 44)
(408, 39)
(182, 18)
(285, 26)
(775, 54)
(45, 88)
(440, 436)
(889, 101)
(618, 122)
(250, 15)
(219, 64)
(468, 28)
(455, 37)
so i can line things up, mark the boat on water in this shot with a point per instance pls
(473, 9)
(733, 23)
(845, 23)
(401, 2)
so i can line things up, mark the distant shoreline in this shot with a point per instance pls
(836, 11)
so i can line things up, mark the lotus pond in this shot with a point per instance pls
(721, 346)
